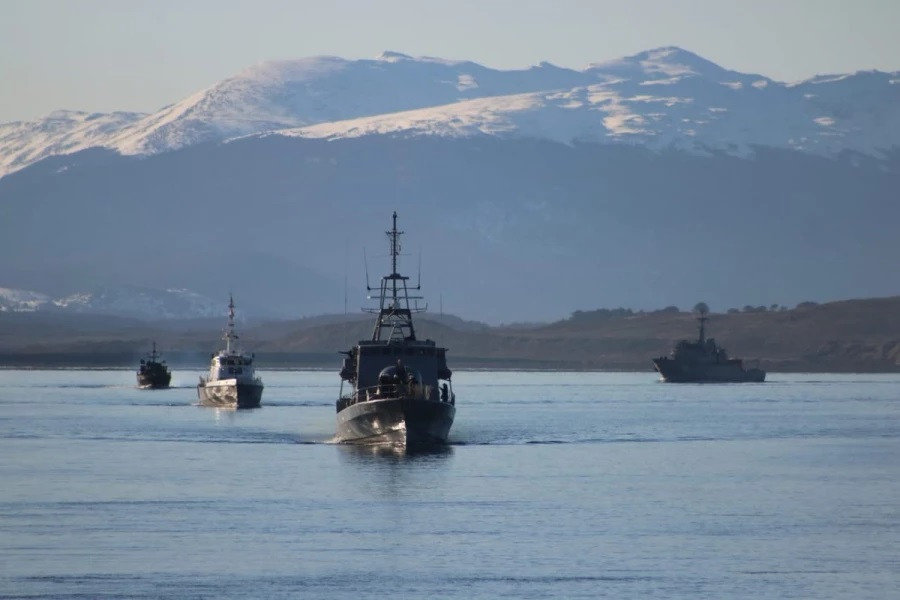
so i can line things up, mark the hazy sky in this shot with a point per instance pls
(103, 55)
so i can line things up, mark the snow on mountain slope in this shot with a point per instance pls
(731, 113)
(277, 95)
(128, 301)
(660, 64)
(122, 301)
(62, 132)
(14, 300)
(665, 97)
(285, 94)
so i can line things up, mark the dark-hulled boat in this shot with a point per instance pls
(153, 372)
(399, 386)
(232, 380)
(704, 361)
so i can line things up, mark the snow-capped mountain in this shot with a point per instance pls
(62, 132)
(13, 300)
(278, 95)
(122, 301)
(286, 94)
(666, 97)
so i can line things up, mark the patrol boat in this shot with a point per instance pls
(399, 386)
(232, 382)
(704, 361)
(153, 373)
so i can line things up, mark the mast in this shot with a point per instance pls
(703, 319)
(394, 312)
(394, 236)
(229, 330)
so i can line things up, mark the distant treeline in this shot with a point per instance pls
(602, 314)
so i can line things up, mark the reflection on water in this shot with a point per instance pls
(223, 414)
(359, 453)
(393, 472)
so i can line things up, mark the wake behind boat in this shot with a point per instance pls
(400, 388)
(232, 381)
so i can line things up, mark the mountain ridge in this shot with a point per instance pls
(663, 97)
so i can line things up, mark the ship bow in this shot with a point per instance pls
(396, 420)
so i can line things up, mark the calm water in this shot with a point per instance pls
(562, 485)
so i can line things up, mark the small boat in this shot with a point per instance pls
(704, 361)
(399, 386)
(232, 381)
(153, 373)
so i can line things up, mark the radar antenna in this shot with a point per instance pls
(394, 312)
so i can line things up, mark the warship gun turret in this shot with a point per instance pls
(703, 361)
(399, 388)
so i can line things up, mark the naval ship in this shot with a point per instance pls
(399, 388)
(704, 362)
(153, 373)
(232, 381)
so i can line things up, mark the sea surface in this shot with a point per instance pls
(555, 485)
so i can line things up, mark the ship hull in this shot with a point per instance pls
(154, 382)
(396, 420)
(230, 394)
(675, 372)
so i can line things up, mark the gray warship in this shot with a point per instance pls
(704, 361)
(232, 380)
(399, 386)
(153, 373)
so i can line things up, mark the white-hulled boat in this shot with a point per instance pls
(232, 380)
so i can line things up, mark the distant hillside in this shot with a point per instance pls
(848, 336)
(541, 228)
(853, 335)
(660, 177)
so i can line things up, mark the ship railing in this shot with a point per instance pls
(255, 379)
(391, 390)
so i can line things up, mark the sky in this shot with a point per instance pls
(140, 55)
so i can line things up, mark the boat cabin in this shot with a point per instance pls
(231, 366)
